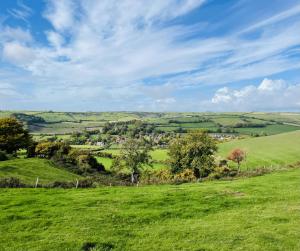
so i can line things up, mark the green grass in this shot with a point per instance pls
(269, 129)
(276, 150)
(27, 170)
(107, 162)
(260, 213)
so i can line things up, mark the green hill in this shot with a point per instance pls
(260, 213)
(27, 170)
(275, 150)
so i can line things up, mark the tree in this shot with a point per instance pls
(195, 151)
(237, 155)
(133, 155)
(13, 136)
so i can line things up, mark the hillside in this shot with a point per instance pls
(260, 213)
(267, 151)
(27, 170)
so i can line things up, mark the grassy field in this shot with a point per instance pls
(260, 213)
(269, 129)
(27, 170)
(267, 151)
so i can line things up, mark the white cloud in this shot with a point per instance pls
(18, 53)
(270, 95)
(61, 14)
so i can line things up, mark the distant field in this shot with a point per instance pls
(260, 213)
(69, 122)
(267, 151)
(269, 129)
(27, 170)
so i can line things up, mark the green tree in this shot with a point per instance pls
(194, 151)
(134, 154)
(13, 136)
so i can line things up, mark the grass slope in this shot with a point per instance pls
(280, 149)
(260, 213)
(29, 169)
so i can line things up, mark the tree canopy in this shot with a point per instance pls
(194, 151)
(12, 135)
(134, 154)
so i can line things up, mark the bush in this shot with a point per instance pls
(222, 171)
(50, 149)
(85, 162)
(105, 155)
(3, 156)
(187, 175)
(11, 182)
(61, 184)
(161, 176)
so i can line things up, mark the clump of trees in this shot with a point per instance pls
(13, 136)
(195, 151)
(79, 161)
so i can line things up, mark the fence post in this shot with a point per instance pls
(77, 183)
(37, 182)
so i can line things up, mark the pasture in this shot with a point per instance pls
(260, 213)
(27, 170)
(268, 151)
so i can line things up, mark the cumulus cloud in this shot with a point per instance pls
(270, 95)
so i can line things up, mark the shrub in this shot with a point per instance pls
(105, 155)
(222, 171)
(11, 182)
(50, 149)
(61, 184)
(86, 183)
(3, 156)
(85, 162)
(187, 175)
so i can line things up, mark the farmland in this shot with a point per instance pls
(260, 213)
(63, 124)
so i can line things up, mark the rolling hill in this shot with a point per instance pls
(275, 150)
(27, 170)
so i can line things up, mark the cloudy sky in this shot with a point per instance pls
(150, 55)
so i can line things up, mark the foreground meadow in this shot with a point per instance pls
(260, 213)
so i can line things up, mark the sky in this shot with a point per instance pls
(150, 55)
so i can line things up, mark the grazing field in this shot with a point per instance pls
(267, 151)
(27, 170)
(260, 213)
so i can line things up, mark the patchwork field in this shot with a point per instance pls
(64, 123)
(260, 213)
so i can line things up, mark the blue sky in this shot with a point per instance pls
(171, 55)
